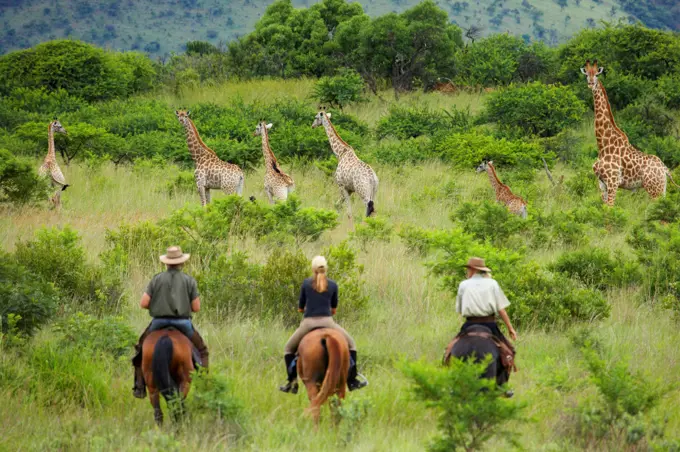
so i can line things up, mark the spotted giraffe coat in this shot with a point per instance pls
(50, 167)
(277, 184)
(504, 195)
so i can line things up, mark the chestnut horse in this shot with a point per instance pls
(167, 365)
(323, 365)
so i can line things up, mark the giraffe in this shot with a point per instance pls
(504, 195)
(352, 175)
(619, 164)
(50, 165)
(277, 184)
(211, 172)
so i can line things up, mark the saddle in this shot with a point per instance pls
(505, 351)
(195, 355)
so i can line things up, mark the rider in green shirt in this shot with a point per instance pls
(171, 297)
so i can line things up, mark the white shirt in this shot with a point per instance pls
(480, 297)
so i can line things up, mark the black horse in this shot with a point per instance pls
(478, 345)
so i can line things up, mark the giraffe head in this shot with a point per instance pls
(183, 116)
(484, 166)
(591, 71)
(318, 119)
(57, 127)
(261, 127)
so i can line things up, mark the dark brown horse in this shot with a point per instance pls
(323, 364)
(167, 365)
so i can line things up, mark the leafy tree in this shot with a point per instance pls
(338, 91)
(492, 61)
(19, 182)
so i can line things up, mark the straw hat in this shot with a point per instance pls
(319, 262)
(174, 256)
(477, 263)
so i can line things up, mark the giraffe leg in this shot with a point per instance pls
(207, 196)
(269, 195)
(603, 189)
(611, 194)
(348, 202)
(201, 194)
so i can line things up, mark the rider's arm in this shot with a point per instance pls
(145, 301)
(303, 300)
(334, 301)
(196, 304)
(506, 320)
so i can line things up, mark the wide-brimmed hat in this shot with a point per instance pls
(477, 263)
(174, 256)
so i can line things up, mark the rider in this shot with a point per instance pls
(319, 301)
(480, 299)
(170, 297)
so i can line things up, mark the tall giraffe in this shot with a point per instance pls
(619, 164)
(50, 165)
(504, 195)
(352, 175)
(211, 172)
(277, 184)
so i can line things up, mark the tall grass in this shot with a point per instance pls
(408, 316)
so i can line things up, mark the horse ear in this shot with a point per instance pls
(269, 126)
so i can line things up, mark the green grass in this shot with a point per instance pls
(408, 316)
(164, 26)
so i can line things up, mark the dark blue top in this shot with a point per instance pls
(318, 304)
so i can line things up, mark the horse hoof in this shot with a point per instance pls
(508, 394)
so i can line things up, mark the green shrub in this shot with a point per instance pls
(645, 118)
(667, 148)
(468, 150)
(184, 182)
(31, 301)
(344, 269)
(489, 221)
(19, 181)
(470, 410)
(340, 90)
(491, 61)
(280, 282)
(536, 109)
(403, 123)
(396, 152)
(110, 335)
(665, 209)
(61, 377)
(212, 395)
(595, 268)
(372, 229)
(669, 88)
(583, 183)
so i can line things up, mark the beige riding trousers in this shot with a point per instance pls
(310, 323)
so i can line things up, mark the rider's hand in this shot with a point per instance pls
(301, 310)
(333, 311)
(513, 334)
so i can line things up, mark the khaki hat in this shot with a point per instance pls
(477, 263)
(174, 256)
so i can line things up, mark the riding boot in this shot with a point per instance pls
(197, 340)
(352, 381)
(291, 385)
(139, 389)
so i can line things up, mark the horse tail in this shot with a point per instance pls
(670, 176)
(160, 366)
(336, 372)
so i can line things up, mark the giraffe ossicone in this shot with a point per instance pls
(619, 164)
(352, 174)
(211, 172)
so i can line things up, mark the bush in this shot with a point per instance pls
(646, 117)
(280, 282)
(468, 150)
(344, 269)
(489, 221)
(341, 90)
(667, 148)
(595, 268)
(665, 209)
(184, 182)
(668, 88)
(372, 229)
(31, 301)
(403, 123)
(470, 409)
(19, 181)
(110, 335)
(400, 152)
(535, 109)
(213, 395)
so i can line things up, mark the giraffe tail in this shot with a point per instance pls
(369, 208)
(670, 176)
(64, 187)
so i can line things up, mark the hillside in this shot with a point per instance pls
(164, 26)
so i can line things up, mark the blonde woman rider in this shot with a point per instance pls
(319, 301)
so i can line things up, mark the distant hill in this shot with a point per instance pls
(160, 27)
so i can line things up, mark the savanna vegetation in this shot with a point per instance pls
(593, 289)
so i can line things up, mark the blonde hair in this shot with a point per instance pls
(320, 282)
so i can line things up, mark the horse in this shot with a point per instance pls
(323, 365)
(167, 365)
(478, 347)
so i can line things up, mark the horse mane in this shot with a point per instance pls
(336, 373)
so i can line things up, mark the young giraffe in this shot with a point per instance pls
(504, 195)
(352, 175)
(211, 172)
(619, 164)
(50, 165)
(277, 184)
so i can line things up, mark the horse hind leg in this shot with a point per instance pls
(155, 399)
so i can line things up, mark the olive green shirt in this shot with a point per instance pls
(171, 294)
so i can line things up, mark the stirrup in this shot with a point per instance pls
(291, 386)
(357, 383)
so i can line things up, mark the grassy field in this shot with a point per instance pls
(165, 26)
(409, 316)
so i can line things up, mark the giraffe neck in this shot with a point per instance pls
(604, 119)
(269, 158)
(338, 145)
(197, 147)
(493, 178)
(51, 154)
